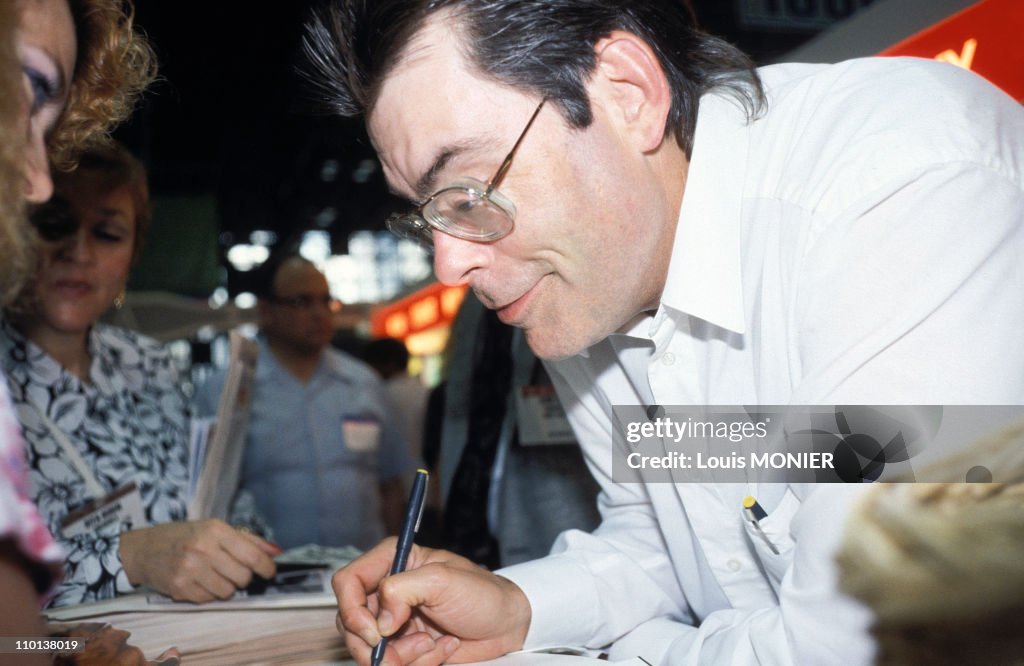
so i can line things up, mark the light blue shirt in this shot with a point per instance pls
(316, 452)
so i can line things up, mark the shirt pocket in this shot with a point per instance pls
(360, 435)
(772, 537)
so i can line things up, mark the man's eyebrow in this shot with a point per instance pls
(427, 183)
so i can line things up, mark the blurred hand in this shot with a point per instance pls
(442, 608)
(106, 646)
(195, 560)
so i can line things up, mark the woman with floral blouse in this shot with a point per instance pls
(103, 411)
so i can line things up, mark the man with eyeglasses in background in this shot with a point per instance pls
(324, 460)
(671, 226)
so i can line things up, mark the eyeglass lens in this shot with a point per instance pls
(470, 210)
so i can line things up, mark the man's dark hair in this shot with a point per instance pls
(545, 47)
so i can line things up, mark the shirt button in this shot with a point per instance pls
(734, 565)
(668, 358)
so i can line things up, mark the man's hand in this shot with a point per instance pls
(196, 560)
(442, 608)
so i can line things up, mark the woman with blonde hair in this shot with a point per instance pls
(29, 558)
(69, 70)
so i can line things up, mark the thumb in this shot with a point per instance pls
(400, 593)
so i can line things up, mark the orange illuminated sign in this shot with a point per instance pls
(985, 38)
(434, 305)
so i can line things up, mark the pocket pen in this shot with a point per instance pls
(754, 514)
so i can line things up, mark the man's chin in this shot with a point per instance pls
(555, 345)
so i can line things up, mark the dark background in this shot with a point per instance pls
(232, 148)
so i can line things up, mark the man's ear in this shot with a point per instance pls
(629, 82)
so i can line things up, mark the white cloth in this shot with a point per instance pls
(860, 243)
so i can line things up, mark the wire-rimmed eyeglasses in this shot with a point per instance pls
(467, 209)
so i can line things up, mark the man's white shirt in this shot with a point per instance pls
(860, 243)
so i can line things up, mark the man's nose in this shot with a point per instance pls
(455, 259)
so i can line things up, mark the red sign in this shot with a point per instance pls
(434, 305)
(986, 38)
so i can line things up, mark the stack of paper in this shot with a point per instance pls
(277, 629)
(272, 627)
(216, 637)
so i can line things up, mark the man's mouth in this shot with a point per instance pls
(515, 311)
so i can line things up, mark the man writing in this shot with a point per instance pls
(670, 226)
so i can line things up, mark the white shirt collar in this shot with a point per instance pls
(704, 277)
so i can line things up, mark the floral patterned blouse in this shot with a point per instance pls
(130, 423)
(19, 520)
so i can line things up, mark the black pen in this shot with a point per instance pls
(411, 524)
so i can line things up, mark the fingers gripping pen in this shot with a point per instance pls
(411, 525)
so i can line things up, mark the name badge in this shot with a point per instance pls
(360, 435)
(122, 507)
(541, 418)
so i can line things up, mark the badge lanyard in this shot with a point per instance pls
(122, 507)
(92, 484)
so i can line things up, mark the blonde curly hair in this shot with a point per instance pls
(114, 64)
(14, 234)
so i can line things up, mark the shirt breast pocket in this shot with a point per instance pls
(360, 435)
(772, 537)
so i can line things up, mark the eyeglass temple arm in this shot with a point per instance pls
(500, 174)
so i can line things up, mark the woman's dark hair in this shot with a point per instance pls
(542, 46)
(114, 167)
